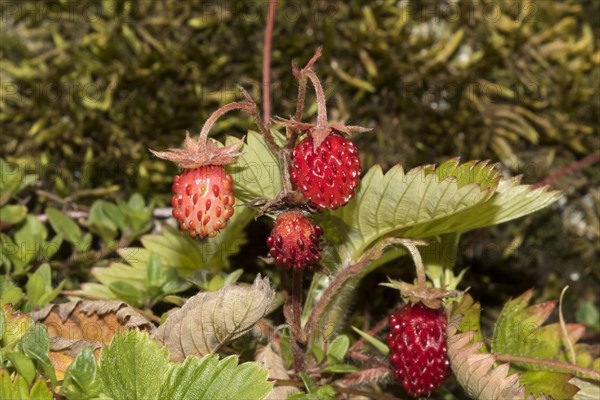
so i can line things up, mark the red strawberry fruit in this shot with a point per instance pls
(327, 175)
(294, 240)
(203, 196)
(203, 200)
(417, 342)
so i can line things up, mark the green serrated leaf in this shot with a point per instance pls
(337, 349)
(233, 277)
(85, 243)
(588, 314)
(510, 201)
(210, 378)
(100, 223)
(154, 272)
(50, 247)
(12, 214)
(256, 172)
(81, 379)
(127, 292)
(136, 202)
(286, 349)
(39, 287)
(311, 386)
(23, 365)
(326, 392)
(116, 215)
(35, 288)
(13, 390)
(318, 352)
(554, 384)
(63, 225)
(9, 293)
(40, 391)
(28, 241)
(340, 369)
(215, 283)
(132, 367)
(398, 200)
(35, 344)
(378, 344)
(178, 250)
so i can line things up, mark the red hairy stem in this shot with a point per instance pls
(584, 162)
(335, 285)
(357, 355)
(246, 106)
(266, 70)
(362, 377)
(321, 107)
(341, 278)
(372, 332)
(300, 74)
(552, 363)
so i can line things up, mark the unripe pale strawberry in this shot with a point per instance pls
(203, 195)
(417, 342)
(203, 200)
(294, 240)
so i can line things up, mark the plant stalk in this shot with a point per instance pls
(246, 106)
(411, 246)
(550, 363)
(266, 69)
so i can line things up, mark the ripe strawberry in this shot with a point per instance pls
(417, 342)
(203, 200)
(294, 240)
(328, 175)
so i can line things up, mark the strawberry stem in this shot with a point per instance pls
(411, 246)
(292, 311)
(551, 363)
(340, 279)
(266, 70)
(300, 74)
(246, 106)
(264, 130)
(321, 107)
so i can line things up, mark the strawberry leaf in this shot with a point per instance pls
(209, 320)
(256, 172)
(428, 201)
(211, 378)
(132, 367)
(17, 388)
(177, 251)
(391, 203)
(519, 332)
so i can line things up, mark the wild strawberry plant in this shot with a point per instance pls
(332, 224)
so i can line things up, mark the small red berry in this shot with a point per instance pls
(328, 176)
(417, 342)
(203, 200)
(294, 240)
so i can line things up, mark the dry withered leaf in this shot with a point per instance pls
(271, 360)
(78, 324)
(209, 320)
(63, 352)
(475, 371)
